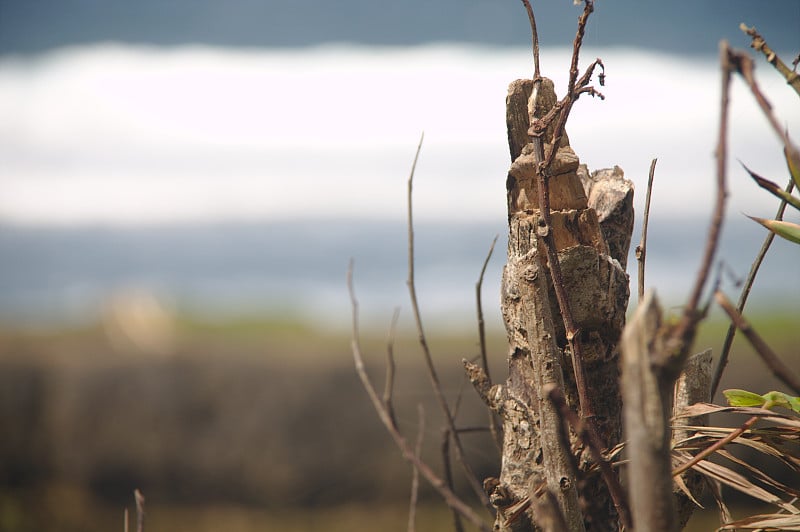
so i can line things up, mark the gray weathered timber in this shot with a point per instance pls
(648, 404)
(534, 445)
(693, 386)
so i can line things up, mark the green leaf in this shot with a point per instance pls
(769, 400)
(793, 162)
(794, 402)
(773, 399)
(787, 230)
(773, 188)
(742, 398)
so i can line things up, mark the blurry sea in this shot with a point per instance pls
(296, 269)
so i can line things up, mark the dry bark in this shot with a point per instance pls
(693, 386)
(648, 404)
(651, 397)
(535, 446)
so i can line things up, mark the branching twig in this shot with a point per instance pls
(435, 383)
(641, 249)
(545, 158)
(493, 424)
(748, 284)
(680, 341)
(545, 226)
(388, 388)
(406, 449)
(590, 439)
(534, 38)
(773, 362)
(481, 324)
(711, 449)
(759, 44)
(744, 66)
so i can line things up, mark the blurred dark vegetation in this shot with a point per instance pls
(261, 415)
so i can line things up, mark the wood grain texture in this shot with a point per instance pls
(534, 445)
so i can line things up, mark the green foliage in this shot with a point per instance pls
(767, 401)
(787, 230)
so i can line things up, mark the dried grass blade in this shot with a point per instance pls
(760, 475)
(738, 482)
(768, 521)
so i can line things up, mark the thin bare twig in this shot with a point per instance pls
(139, 498)
(748, 284)
(711, 449)
(744, 66)
(534, 38)
(591, 440)
(759, 44)
(773, 361)
(560, 114)
(545, 225)
(432, 374)
(412, 505)
(448, 475)
(388, 388)
(493, 423)
(450, 498)
(641, 249)
(481, 324)
(463, 430)
(682, 337)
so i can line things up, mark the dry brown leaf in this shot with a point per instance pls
(776, 442)
(738, 482)
(768, 521)
(760, 475)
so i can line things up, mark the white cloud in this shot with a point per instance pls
(135, 135)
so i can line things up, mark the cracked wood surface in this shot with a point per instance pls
(590, 215)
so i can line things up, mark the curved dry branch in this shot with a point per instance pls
(748, 284)
(641, 249)
(682, 336)
(408, 451)
(772, 360)
(543, 191)
(494, 426)
(423, 342)
(534, 38)
(760, 45)
(481, 324)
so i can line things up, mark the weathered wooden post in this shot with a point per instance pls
(591, 220)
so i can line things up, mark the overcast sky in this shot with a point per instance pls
(692, 27)
(119, 112)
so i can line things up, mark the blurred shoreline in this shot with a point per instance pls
(72, 276)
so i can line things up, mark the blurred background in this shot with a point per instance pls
(183, 184)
